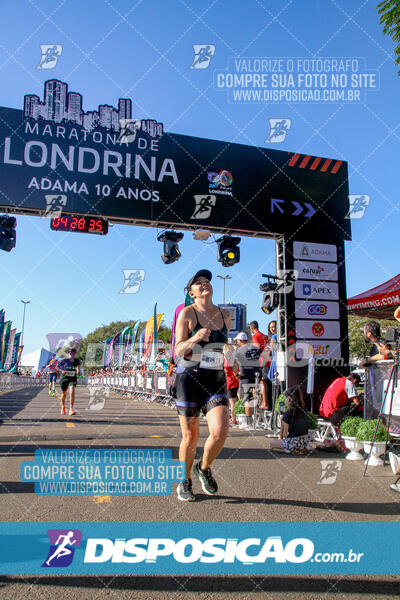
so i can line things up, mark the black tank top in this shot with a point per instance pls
(217, 336)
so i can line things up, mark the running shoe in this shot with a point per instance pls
(207, 481)
(184, 491)
(71, 412)
(63, 411)
(49, 392)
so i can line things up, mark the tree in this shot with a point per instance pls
(390, 19)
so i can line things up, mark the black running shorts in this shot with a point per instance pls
(199, 390)
(66, 381)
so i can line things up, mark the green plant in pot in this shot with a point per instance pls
(239, 408)
(312, 421)
(349, 426)
(348, 430)
(365, 431)
(365, 434)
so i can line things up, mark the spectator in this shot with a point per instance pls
(380, 350)
(261, 340)
(293, 436)
(273, 345)
(341, 399)
(232, 382)
(248, 363)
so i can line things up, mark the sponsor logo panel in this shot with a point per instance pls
(310, 251)
(316, 289)
(308, 348)
(317, 329)
(316, 270)
(305, 309)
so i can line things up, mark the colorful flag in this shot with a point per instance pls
(15, 353)
(152, 326)
(4, 344)
(106, 353)
(7, 363)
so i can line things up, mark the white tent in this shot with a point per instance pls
(36, 360)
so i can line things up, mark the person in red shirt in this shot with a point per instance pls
(261, 340)
(341, 394)
(53, 373)
(232, 382)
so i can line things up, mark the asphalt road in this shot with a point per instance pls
(254, 485)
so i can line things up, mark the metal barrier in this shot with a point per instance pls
(11, 381)
(151, 387)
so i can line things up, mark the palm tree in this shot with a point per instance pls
(390, 19)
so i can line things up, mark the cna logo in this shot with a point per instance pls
(61, 551)
(317, 309)
(318, 329)
(220, 183)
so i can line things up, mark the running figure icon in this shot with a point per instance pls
(62, 549)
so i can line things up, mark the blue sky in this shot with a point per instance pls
(143, 50)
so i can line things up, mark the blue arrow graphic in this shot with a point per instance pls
(311, 211)
(275, 204)
(299, 208)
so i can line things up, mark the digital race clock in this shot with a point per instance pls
(79, 224)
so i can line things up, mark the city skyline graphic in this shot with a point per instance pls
(62, 106)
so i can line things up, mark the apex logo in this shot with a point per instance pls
(61, 551)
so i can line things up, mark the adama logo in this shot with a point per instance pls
(61, 552)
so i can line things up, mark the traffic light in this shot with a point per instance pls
(8, 235)
(171, 251)
(228, 250)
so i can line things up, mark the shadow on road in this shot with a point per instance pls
(11, 405)
(327, 584)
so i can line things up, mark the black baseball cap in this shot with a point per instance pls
(72, 350)
(202, 273)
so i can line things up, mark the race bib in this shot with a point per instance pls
(211, 360)
(70, 373)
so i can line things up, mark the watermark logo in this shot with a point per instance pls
(50, 55)
(54, 205)
(97, 397)
(286, 279)
(203, 54)
(358, 205)
(330, 471)
(129, 130)
(132, 280)
(204, 204)
(62, 547)
(58, 341)
(278, 129)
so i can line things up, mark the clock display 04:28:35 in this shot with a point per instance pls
(79, 224)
